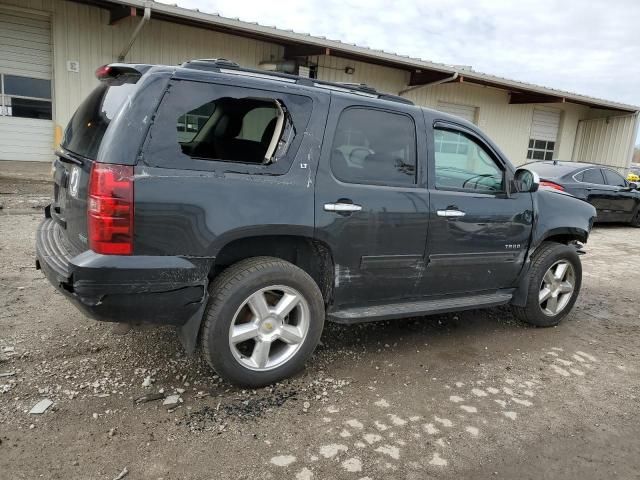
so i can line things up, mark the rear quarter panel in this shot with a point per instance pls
(196, 212)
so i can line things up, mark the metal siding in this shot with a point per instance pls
(466, 112)
(384, 79)
(508, 125)
(606, 141)
(83, 33)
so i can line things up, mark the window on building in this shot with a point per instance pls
(614, 178)
(592, 175)
(374, 147)
(545, 127)
(25, 97)
(540, 150)
(464, 164)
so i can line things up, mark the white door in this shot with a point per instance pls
(545, 126)
(26, 126)
(463, 111)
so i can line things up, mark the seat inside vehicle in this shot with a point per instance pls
(230, 129)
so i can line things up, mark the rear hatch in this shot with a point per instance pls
(82, 140)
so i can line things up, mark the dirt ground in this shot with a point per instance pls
(469, 395)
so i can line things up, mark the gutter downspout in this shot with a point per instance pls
(437, 82)
(145, 18)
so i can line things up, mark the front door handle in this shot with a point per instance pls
(451, 213)
(342, 207)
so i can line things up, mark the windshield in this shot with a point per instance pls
(86, 128)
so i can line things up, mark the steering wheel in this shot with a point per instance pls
(477, 179)
(366, 150)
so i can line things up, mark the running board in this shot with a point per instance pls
(415, 309)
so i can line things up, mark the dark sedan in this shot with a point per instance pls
(615, 199)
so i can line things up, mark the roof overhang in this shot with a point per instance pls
(299, 44)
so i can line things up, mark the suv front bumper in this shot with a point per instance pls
(130, 289)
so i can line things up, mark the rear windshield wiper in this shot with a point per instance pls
(67, 158)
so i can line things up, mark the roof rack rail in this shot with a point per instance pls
(210, 64)
(222, 65)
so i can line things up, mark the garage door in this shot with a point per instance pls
(463, 111)
(26, 128)
(544, 134)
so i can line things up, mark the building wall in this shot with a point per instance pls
(606, 138)
(508, 125)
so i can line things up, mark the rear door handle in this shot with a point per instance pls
(451, 213)
(342, 207)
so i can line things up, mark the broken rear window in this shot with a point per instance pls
(201, 122)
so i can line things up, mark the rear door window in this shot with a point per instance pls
(89, 123)
(593, 175)
(374, 147)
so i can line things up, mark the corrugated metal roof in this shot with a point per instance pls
(405, 62)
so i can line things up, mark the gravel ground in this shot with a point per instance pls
(469, 395)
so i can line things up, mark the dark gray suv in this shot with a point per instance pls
(246, 207)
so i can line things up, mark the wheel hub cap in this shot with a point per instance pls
(556, 288)
(269, 327)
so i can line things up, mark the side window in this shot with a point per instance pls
(463, 164)
(614, 178)
(374, 147)
(232, 129)
(593, 175)
(199, 125)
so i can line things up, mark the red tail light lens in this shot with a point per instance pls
(110, 209)
(548, 184)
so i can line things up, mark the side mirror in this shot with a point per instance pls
(526, 180)
(633, 185)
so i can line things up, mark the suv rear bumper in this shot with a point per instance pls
(130, 289)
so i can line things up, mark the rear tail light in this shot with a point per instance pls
(548, 184)
(110, 209)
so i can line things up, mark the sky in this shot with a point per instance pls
(590, 47)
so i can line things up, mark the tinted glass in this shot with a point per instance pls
(27, 108)
(374, 147)
(86, 128)
(462, 163)
(27, 87)
(593, 175)
(613, 178)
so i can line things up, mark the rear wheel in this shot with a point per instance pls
(264, 319)
(554, 285)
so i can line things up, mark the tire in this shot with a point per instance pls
(635, 220)
(261, 284)
(551, 255)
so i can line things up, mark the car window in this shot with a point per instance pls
(592, 175)
(374, 147)
(614, 178)
(199, 125)
(463, 164)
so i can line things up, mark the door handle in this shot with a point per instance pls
(342, 207)
(451, 213)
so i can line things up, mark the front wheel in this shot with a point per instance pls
(264, 319)
(555, 278)
(635, 220)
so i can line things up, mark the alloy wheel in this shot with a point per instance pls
(557, 287)
(269, 327)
